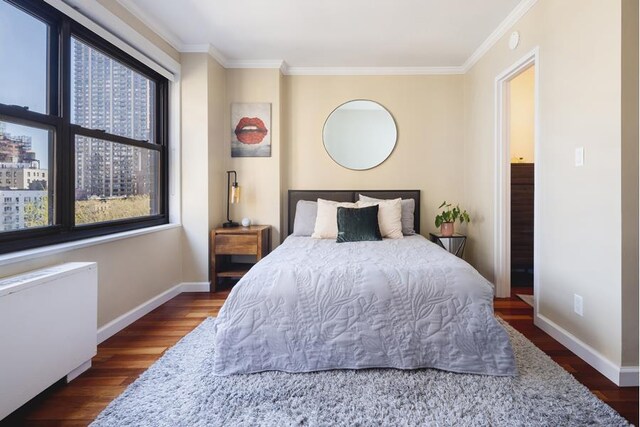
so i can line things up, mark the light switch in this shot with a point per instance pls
(580, 156)
(577, 304)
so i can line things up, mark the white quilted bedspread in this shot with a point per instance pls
(314, 305)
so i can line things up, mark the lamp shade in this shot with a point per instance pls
(235, 193)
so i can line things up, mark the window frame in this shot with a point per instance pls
(59, 61)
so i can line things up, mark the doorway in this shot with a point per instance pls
(521, 124)
(516, 225)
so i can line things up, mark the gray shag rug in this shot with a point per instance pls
(179, 390)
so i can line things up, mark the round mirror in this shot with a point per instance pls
(359, 134)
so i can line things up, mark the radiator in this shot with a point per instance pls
(48, 323)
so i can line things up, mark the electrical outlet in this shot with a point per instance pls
(580, 156)
(577, 304)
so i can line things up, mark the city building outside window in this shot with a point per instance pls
(86, 160)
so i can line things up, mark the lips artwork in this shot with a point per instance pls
(250, 130)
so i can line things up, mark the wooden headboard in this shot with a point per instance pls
(350, 196)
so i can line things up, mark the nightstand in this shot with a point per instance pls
(454, 244)
(226, 242)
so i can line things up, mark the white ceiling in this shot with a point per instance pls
(411, 34)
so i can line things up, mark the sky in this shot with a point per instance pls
(23, 70)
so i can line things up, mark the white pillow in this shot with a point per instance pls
(389, 217)
(408, 209)
(327, 218)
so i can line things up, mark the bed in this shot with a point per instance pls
(314, 304)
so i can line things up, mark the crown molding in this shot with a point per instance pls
(520, 10)
(371, 71)
(217, 55)
(258, 63)
(511, 19)
(206, 48)
(164, 33)
(168, 36)
(234, 63)
(196, 48)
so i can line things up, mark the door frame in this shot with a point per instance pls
(502, 199)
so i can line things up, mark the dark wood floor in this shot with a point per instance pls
(123, 357)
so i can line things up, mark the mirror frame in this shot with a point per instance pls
(393, 120)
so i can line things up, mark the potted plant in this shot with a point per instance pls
(448, 216)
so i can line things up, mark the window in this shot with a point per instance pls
(125, 187)
(83, 130)
(24, 78)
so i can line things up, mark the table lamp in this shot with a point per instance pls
(233, 196)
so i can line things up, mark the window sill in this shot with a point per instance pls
(30, 254)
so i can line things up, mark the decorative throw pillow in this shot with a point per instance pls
(305, 219)
(389, 217)
(358, 225)
(408, 209)
(326, 226)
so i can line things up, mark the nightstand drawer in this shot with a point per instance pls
(226, 242)
(236, 244)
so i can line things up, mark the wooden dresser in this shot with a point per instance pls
(522, 216)
(254, 241)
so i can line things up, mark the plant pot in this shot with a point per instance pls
(446, 229)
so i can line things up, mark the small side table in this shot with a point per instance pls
(225, 242)
(454, 244)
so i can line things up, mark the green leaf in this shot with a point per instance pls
(450, 214)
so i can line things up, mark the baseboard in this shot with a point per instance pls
(622, 376)
(121, 322)
(629, 376)
(195, 286)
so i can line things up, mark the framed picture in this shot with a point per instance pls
(250, 130)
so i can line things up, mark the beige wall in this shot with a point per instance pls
(429, 152)
(259, 177)
(216, 146)
(522, 116)
(195, 167)
(630, 186)
(203, 95)
(580, 93)
(130, 271)
(285, 142)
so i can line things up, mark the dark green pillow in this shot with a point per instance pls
(358, 224)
